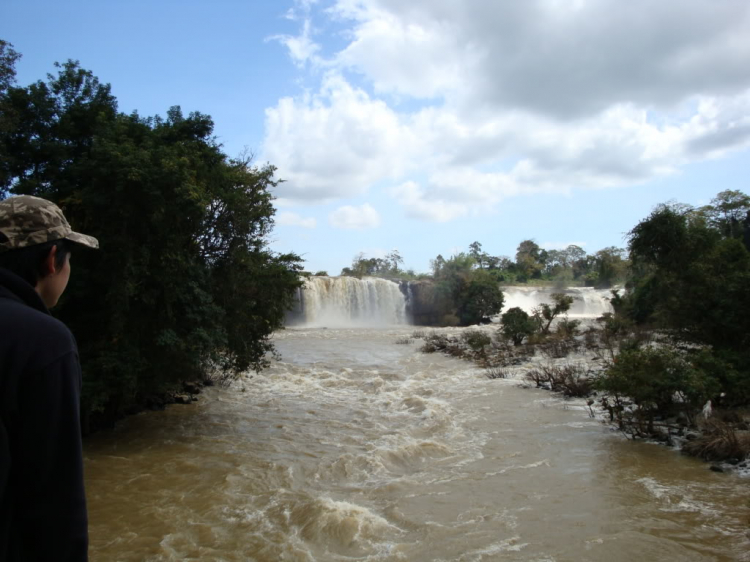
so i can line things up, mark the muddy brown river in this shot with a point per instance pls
(355, 448)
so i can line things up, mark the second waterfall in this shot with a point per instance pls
(348, 301)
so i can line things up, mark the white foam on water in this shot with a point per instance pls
(511, 544)
(677, 500)
(543, 462)
(657, 490)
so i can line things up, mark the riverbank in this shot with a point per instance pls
(570, 364)
(185, 392)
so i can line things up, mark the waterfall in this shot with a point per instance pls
(589, 302)
(348, 301)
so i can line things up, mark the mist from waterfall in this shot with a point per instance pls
(588, 303)
(348, 301)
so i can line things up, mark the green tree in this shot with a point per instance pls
(8, 121)
(480, 299)
(185, 280)
(395, 261)
(481, 258)
(611, 267)
(659, 381)
(517, 325)
(690, 279)
(728, 211)
(546, 313)
(8, 58)
(529, 260)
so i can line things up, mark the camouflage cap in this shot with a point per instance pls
(27, 221)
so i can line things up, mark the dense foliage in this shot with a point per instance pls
(517, 325)
(465, 295)
(690, 282)
(184, 280)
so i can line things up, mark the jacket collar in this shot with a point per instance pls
(14, 288)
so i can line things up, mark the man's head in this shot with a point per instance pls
(35, 244)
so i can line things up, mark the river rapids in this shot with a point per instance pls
(354, 448)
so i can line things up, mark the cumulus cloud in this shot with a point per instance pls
(354, 218)
(554, 57)
(287, 218)
(335, 143)
(512, 98)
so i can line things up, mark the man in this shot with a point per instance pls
(42, 499)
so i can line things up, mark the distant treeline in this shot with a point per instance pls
(184, 281)
(571, 266)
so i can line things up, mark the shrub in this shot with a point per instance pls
(545, 313)
(517, 325)
(567, 328)
(476, 339)
(720, 441)
(570, 380)
(497, 373)
(435, 342)
(659, 381)
(557, 348)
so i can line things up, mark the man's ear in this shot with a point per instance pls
(48, 267)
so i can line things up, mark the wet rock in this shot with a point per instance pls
(734, 461)
(192, 387)
(194, 398)
(155, 402)
(691, 436)
(716, 468)
(182, 399)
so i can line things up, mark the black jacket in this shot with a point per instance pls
(42, 500)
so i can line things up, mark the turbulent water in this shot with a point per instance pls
(355, 448)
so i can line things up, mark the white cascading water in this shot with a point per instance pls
(588, 303)
(348, 301)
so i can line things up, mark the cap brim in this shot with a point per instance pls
(83, 239)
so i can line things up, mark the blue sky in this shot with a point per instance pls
(425, 125)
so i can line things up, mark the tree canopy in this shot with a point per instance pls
(690, 279)
(185, 280)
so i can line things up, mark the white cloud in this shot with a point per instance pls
(335, 143)
(302, 49)
(354, 218)
(548, 56)
(513, 98)
(293, 219)
(419, 205)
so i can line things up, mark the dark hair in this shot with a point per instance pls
(28, 263)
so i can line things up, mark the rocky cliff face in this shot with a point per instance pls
(421, 303)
